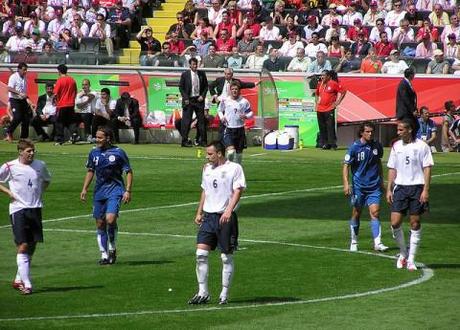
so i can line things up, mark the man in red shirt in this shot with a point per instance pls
(384, 46)
(327, 100)
(224, 44)
(65, 91)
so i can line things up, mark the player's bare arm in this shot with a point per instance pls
(346, 184)
(425, 195)
(225, 217)
(391, 180)
(129, 183)
(88, 178)
(199, 211)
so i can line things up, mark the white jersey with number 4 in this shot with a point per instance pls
(25, 182)
(409, 160)
(219, 183)
(231, 110)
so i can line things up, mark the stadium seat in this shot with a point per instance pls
(90, 45)
(419, 64)
(85, 58)
(273, 43)
(284, 62)
(202, 12)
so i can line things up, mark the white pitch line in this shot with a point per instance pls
(255, 155)
(153, 208)
(427, 274)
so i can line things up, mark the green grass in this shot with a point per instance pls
(290, 253)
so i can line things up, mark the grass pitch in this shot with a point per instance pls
(293, 270)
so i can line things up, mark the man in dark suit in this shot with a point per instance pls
(45, 113)
(126, 115)
(193, 86)
(220, 87)
(406, 100)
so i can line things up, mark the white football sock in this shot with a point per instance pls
(202, 270)
(354, 230)
(18, 276)
(102, 242)
(398, 235)
(22, 260)
(227, 273)
(414, 243)
(112, 230)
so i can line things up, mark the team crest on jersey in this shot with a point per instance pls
(347, 157)
(111, 158)
(375, 152)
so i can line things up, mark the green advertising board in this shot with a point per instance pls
(297, 107)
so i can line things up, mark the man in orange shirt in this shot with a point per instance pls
(371, 64)
(329, 94)
(65, 91)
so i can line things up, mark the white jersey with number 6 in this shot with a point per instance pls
(231, 110)
(25, 182)
(409, 160)
(219, 183)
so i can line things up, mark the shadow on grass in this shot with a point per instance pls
(67, 288)
(333, 205)
(266, 300)
(146, 262)
(443, 266)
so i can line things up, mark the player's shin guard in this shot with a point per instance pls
(202, 270)
(414, 243)
(354, 230)
(102, 242)
(376, 231)
(23, 262)
(398, 235)
(231, 155)
(112, 230)
(227, 274)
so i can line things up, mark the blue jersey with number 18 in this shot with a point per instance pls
(364, 160)
(109, 165)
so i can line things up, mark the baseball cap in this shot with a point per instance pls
(438, 52)
(357, 21)
(292, 34)
(452, 36)
(311, 18)
(373, 4)
(335, 21)
(332, 5)
(394, 51)
(426, 36)
(36, 32)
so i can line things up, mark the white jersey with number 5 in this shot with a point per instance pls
(231, 110)
(219, 183)
(25, 182)
(409, 160)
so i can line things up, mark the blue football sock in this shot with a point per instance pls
(354, 228)
(375, 228)
(112, 230)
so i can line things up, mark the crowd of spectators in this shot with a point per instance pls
(377, 36)
(366, 36)
(36, 31)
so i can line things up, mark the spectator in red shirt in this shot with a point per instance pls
(329, 94)
(66, 92)
(176, 46)
(227, 25)
(352, 33)
(224, 44)
(248, 23)
(384, 46)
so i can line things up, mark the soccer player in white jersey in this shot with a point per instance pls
(409, 176)
(223, 183)
(27, 179)
(233, 111)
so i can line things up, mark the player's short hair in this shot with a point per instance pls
(363, 126)
(105, 90)
(23, 144)
(192, 59)
(108, 132)
(448, 105)
(49, 84)
(409, 73)
(423, 108)
(218, 145)
(407, 123)
(235, 83)
(22, 65)
(62, 68)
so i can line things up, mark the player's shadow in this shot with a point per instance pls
(146, 262)
(266, 300)
(67, 288)
(443, 266)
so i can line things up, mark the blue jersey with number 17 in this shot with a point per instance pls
(364, 160)
(109, 165)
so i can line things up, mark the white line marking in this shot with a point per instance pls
(152, 208)
(427, 274)
(255, 155)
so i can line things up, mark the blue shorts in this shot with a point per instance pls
(213, 234)
(361, 198)
(407, 198)
(109, 205)
(235, 137)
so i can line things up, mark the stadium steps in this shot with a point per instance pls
(162, 19)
